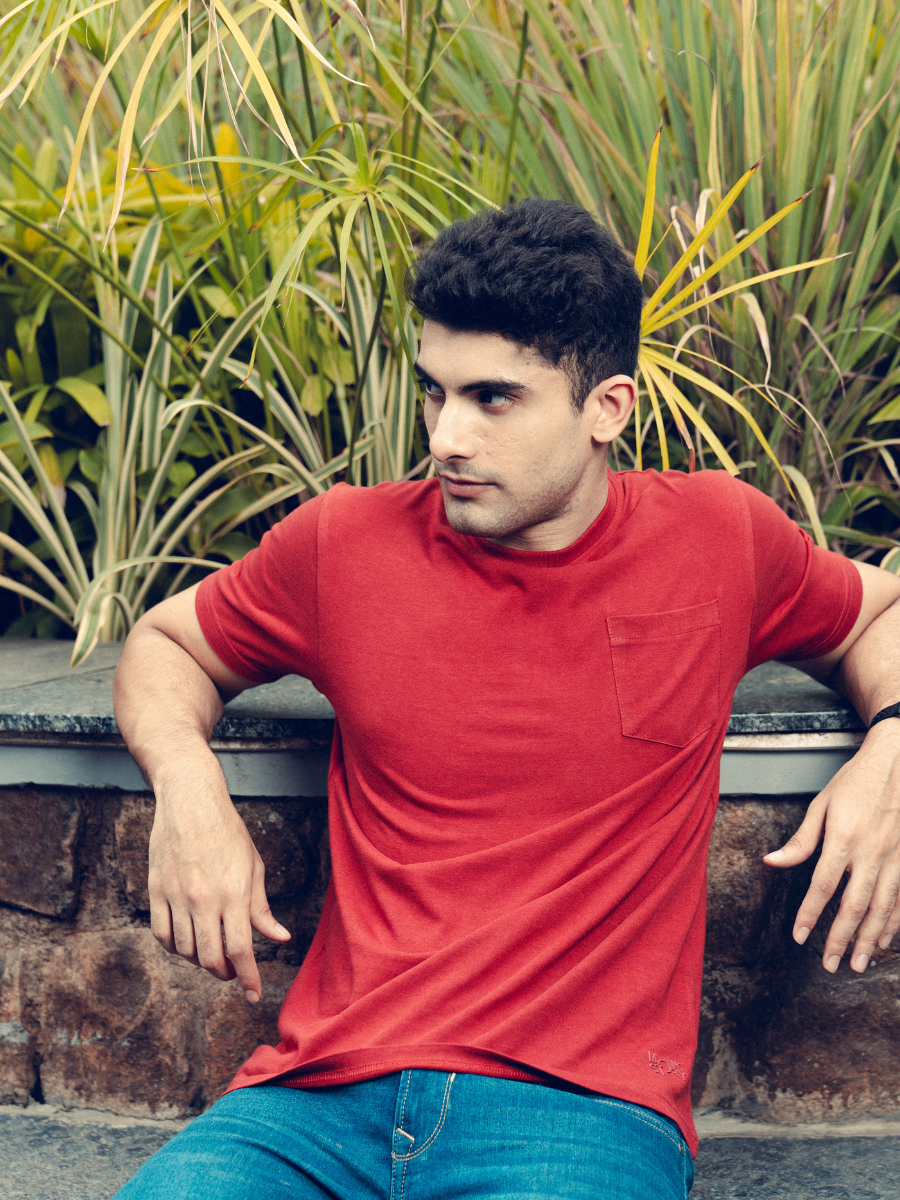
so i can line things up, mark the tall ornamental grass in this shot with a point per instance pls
(207, 211)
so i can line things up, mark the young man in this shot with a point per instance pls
(532, 661)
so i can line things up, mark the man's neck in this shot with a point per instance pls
(564, 530)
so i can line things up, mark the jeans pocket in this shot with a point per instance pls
(666, 670)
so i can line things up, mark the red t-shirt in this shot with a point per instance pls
(524, 772)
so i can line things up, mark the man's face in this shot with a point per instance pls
(510, 451)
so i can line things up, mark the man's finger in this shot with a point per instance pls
(827, 876)
(890, 930)
(183, 930)
(854, 906)
(161, 923)
(882, 908)
(211, 949)
(261, 917)
(798, 848)
(239, 948)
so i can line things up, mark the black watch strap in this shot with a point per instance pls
(892, 710)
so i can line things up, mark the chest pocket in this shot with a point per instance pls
(666, 668)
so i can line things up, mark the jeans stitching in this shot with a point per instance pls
(397, 1157)
(630, 1108)
(405, 1158)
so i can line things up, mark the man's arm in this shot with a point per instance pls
(859, 810)
(206, 876)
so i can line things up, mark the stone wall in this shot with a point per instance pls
(93, 1013)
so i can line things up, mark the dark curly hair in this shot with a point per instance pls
(542, 273)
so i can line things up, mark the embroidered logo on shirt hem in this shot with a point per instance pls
(665, 1066)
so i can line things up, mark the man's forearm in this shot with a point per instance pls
(206, 878)
(166, 706)
(869, 673)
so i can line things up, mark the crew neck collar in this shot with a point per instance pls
(585, 546)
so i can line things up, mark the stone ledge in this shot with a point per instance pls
(48, 696)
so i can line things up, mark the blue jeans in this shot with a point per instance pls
(419, 1135)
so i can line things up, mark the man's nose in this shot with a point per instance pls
(453, 436)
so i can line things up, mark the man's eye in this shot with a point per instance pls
(494, 400)
(434, 390)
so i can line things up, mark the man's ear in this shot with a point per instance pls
(608, 407)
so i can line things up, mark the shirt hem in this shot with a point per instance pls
(470, 1061)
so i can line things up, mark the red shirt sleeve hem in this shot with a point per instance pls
(218, 640)
(844, 623)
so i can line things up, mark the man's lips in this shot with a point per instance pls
(459, 485)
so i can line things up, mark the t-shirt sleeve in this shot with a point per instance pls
(807, 599)
(260, 614)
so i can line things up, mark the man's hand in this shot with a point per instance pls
(207, 880)
(859, 810)
(206, 877)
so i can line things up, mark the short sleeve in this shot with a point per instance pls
(260, 614)
(807, 599)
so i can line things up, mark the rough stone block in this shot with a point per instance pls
(39, 831)
(745, 898)
(17, 1043)
(832, 1050)
(235, 1028)
(132, 838)
(121, 1025)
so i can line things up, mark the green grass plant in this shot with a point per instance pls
(285, 160)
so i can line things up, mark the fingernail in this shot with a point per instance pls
(885, 940)
(251, 996)
(801, 935)
(774, 854)
(862, 961)
(281, 929)
(833, 963)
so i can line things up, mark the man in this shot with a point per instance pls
(532, 661)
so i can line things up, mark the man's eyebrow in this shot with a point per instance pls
(501, 385)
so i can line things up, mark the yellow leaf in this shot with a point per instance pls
(809, 503)
(643, 248)
(32, 240)
(89, 396)
(227, 146)
(50, 463)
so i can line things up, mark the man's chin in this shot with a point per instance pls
(471, 517)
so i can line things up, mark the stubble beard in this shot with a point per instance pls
(508, 515)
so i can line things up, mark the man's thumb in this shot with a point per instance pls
(263, 922)
(796, 849)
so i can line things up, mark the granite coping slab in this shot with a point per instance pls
(40, 694)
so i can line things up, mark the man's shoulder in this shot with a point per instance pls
(697, 492)
(376, 511)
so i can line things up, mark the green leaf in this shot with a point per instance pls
(91, 464)
(16, 370)
(45, 164)
(73, 338)
(316, 391)
(194, 446)
(233, 546)
(9, 435)
(89, 396)
(219, 301)
(890, 412)
(180, 475)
